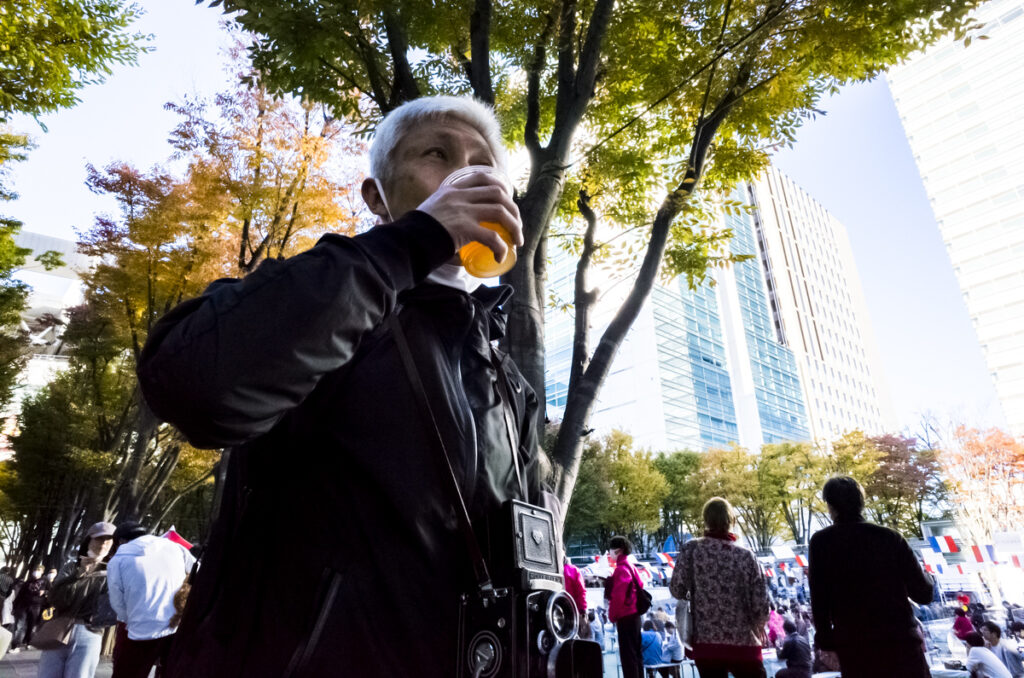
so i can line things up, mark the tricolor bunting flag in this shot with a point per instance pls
(801, 561)
(985, 554)
(665, 559)
(943, 544)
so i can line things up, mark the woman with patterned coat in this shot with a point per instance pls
(728, 598)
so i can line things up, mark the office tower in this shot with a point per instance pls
(778, 349)
(961, 109)
(818, 309)
(699, 369)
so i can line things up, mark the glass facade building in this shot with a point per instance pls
(700, 368)
(961, 110)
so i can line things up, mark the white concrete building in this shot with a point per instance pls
(819, 310)
(961, 109)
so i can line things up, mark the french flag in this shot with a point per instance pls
(1016, 561)
(943, 545)
(985, 554)
(801, 561)
(934, 569)
(666, 559)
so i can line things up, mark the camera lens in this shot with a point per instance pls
(484, 655)
(561, 616)
(558, 619)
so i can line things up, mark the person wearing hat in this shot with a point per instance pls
(80, 591)
(145, 573)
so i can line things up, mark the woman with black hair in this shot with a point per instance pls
(622, 590)
(80, 591)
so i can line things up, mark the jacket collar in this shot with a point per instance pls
(492, 299)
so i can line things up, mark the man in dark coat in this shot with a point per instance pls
(28, 605)
(861, 576)
(296, 368)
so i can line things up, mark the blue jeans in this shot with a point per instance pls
(78, 660)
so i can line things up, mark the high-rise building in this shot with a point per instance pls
(777, 349)
(961, 109)
(818, 309)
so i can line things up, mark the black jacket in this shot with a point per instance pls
(336, 550)
(861, 575)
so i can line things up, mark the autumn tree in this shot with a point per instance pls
(621, 492)
(986, 474)
(804, 469)
(278, 162)
(635, 114)
(637, 489)
(237, 203)
(585, 520)
(681, 509)
(853, 454)
(907, 486)
(754, 484)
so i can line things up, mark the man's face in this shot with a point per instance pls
(990, 638)
(424, 157)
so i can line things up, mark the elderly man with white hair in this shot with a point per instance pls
(336, 550)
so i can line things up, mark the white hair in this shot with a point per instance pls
(400, 121)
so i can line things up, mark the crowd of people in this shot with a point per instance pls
(861, 581)
(123, 582)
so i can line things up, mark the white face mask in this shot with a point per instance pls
(380, 189)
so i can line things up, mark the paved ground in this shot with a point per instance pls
(23, 665)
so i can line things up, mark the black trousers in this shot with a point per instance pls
(630, 653)
(25, 622)
(135, 658)
(890, 660)
(740, 668)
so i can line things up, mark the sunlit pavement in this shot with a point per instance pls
(23, 665)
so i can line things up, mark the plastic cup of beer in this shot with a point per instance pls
(477, 258)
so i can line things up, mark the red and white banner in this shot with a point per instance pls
(665, 559)
(801, 561)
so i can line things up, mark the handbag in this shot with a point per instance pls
(684, 612)
(643, 598)
(54, 634)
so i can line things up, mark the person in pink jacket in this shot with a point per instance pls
(578, 592)
(621, 592)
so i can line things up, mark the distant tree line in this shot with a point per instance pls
(776, 490)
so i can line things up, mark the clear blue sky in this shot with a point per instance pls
(855, 161)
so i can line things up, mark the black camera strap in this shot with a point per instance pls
(510, 428)
(483, 577)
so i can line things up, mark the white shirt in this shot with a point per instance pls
(1010, 657)
(987, 665)
(453, 275)
(143, 577)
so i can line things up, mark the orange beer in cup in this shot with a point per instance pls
(478, 259)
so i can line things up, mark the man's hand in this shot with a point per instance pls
(462, 206)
